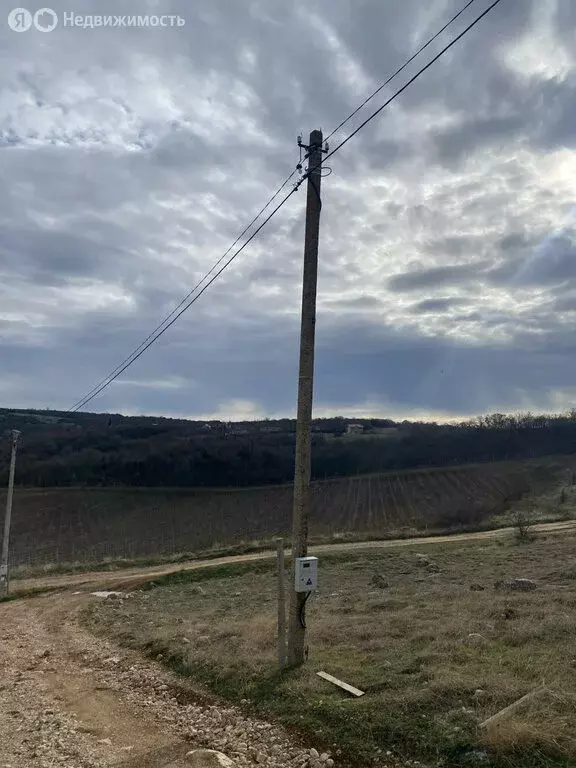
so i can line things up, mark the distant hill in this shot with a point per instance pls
(102, 450)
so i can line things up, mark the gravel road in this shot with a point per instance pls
(70, 700)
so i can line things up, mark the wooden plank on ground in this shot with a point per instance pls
(512, 707)
(340, 684)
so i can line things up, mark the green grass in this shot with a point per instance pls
(404, 645)
(227, 571)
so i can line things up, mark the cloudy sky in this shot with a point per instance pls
(130, 158)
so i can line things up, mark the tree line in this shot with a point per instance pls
(58, 449)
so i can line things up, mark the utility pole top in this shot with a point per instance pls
(316, 137)
(315, 145)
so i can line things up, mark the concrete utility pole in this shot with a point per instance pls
(8, 518)
(296, 625)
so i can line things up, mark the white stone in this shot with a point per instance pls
(476, 640)
(522, 584)
(209, 758)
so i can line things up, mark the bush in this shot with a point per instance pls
(524, 531)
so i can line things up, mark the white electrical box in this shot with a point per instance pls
(306, 574)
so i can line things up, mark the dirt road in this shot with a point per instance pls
(132, 576)
(70, 700)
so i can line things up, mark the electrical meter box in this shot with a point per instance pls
(306, 574)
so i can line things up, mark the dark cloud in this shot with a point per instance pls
(557, 128)
(566, 304)
(357, 362)
(456, 144)
(435, 305)
(516, 241)
(407, 371)
(437, 276)
(356, 303)
(49, 257)
(455, 246)
(551, 262)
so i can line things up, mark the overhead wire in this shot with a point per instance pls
(408, 84)
(180, 309)
(155, 336)
(400, 69)
(82, 400)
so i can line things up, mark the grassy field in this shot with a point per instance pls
(434, 637)
(64, 526)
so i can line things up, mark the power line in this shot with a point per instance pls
(401, 69)
(412, 79)
(156, 335)
(159, 330)
(82, 400)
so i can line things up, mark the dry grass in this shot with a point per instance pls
(428, 684)
(544, 727)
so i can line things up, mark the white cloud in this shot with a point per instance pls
(540, 54)
(234, 410)
(170, 382)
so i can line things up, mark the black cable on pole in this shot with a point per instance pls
(315, 188)
(185, 299)
(301, 614)
(96, 390)
(402, 68)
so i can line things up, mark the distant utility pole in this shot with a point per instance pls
(8, 518)
(296, 624)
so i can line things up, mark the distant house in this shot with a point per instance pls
(354, 429)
